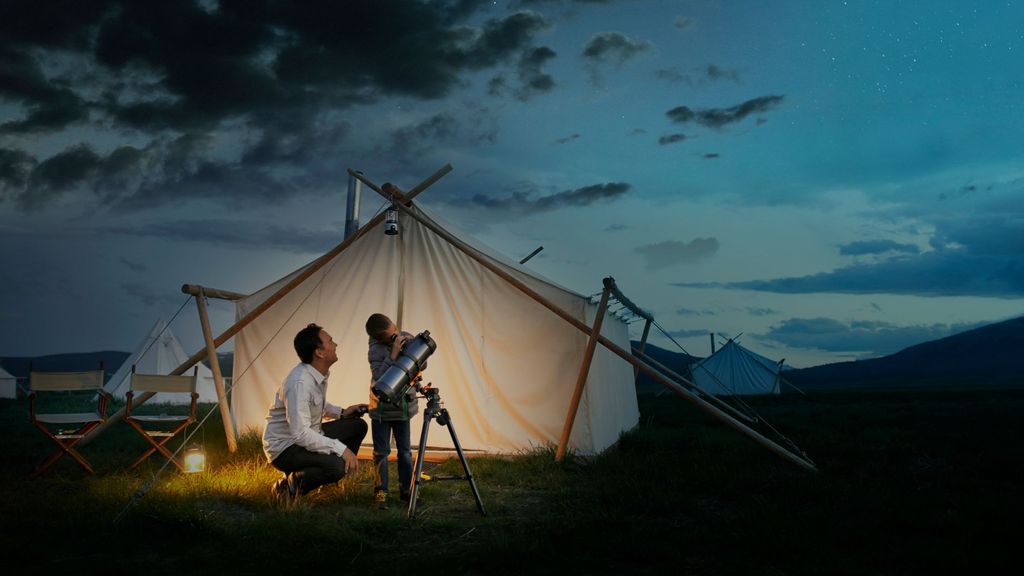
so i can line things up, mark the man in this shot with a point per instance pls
(311, 453)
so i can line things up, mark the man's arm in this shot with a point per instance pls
(300, 422)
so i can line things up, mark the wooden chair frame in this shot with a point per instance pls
(83, 422)
(148, 426)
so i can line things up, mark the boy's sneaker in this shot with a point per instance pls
(380, 499)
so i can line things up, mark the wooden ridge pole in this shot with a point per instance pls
(218, 381)
(256, 312)
(643, 344)
(581, 378)
(628, 357)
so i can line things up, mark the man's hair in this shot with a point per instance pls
(376, 325)
(307, 341)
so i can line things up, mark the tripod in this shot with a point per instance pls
(434, 411)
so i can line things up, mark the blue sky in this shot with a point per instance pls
(832, 180)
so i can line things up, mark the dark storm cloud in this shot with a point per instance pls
(673, 252)
(15, 167)
(671, 139)
(532, 78)
(523, 202)
(613, 48)
(427, 137)
(869, 338)
(270, 71)
(719, 117)
(247, 235)
(864, 247)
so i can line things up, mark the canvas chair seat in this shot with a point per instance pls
(161, 417)
(162, 426)
(77, 418)
(70, 389)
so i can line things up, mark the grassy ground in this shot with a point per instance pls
(909, 483)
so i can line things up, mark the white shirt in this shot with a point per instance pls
(299, 407)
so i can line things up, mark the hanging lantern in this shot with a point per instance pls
(195, 459)
(391, 221)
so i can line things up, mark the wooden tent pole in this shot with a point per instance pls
(643, 344)
(218, 381)
(628, 357)
(581, 378)
(256, 312)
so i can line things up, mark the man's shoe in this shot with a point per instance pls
(380, 500)
(285, 490)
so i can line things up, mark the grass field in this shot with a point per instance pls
(910, 483)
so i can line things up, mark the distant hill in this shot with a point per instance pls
(986, 356)
(675, 361)
(74, 362)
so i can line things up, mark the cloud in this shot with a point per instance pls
(683, 23)
(705, 75)
(275, 75)
(711, 155)
(864, 247)
(532, 79)
(671, 139)
(674, 252)
(719, 117)
(247, 235)
(567, 139)
(688, 333)
(761, 311)
(616, 228)
(522, 202)
(869, 338)
(973, 254)
(610, 49)
(132, 265)
(692, 312)
(420, 139)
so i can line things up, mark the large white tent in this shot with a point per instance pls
(8, 384)
(506, 366)
(160, 353)
(736, 371)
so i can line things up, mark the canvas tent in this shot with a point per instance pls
(505, 365)
(8, 384)
(160, 353)
(736, 371)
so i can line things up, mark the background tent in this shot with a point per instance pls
(506, 366)
(8, 384)
(160, 353)
(736, 371)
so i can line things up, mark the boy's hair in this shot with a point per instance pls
(376, 325)
(307, 342)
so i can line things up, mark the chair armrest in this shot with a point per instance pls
(104, 398)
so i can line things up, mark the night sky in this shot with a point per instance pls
(830, 180)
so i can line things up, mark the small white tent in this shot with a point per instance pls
(8, 384)
(505, 365)
(160, 353)
(736, 371)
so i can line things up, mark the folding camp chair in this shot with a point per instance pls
(158, 429)
(66, 391)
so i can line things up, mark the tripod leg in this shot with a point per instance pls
(414, 489)
(447, 421)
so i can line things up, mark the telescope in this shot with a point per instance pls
(402, 375)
